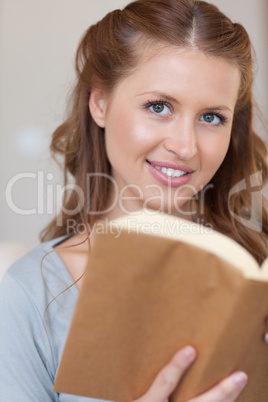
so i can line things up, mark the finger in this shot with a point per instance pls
(168, 378)
(226, 391)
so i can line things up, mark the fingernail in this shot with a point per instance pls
(240, 379)
(188, 353)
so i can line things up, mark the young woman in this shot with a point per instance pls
(161, 117)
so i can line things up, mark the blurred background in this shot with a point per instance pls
(38, 40)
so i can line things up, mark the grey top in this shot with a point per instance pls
(31, 344)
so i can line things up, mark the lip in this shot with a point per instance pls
(171, 165)
(169, 181)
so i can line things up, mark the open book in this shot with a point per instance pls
(154, 284)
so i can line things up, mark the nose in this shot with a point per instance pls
(181, 139)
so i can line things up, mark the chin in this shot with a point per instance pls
(161, 207)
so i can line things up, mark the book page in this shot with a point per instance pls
(160, 224)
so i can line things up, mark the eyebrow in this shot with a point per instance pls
(161, 95)
(167, 97)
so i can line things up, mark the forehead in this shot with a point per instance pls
(181, 72)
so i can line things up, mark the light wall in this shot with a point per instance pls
(253, 14)
(37, 46)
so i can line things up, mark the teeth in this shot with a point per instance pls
(170, 172)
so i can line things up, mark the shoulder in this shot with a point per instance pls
(74, 253)
(27, 268)
(39, 275)
(31, 339)
(37, 300)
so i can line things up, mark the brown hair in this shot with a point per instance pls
(108, 52)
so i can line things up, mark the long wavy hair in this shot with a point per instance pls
(109, 51)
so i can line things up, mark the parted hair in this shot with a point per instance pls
(109, 51)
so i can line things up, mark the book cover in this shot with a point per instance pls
(147, 293)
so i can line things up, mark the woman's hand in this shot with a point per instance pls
(169, 377)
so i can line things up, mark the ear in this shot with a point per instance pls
(97, 107)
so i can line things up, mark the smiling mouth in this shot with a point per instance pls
(172, 173)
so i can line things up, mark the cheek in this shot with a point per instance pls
(214, 152)
(116, 131)
(130, 139)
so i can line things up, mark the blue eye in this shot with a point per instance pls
(159, 107)
(214, 119)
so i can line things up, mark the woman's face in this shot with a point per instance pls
(168, 128)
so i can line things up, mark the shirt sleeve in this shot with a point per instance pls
(25, 351)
